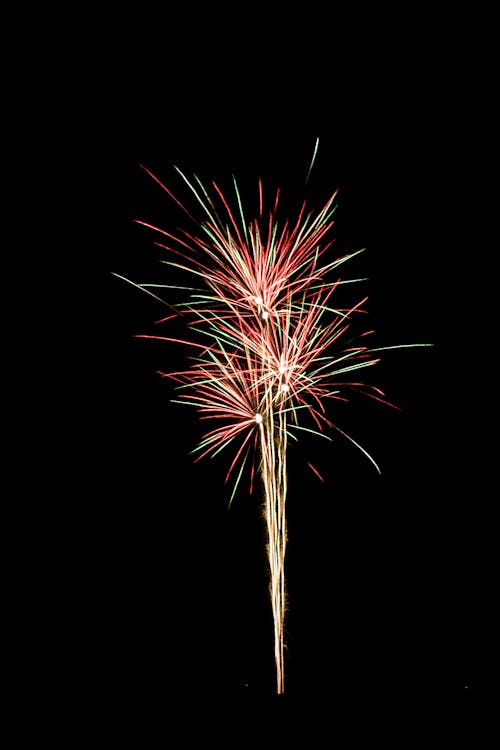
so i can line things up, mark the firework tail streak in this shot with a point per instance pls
(269, 346)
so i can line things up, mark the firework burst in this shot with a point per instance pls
(269, 347)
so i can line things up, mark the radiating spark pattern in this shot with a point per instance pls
(270, 346)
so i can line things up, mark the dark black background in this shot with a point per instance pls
(148, 590)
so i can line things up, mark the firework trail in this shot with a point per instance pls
(269, 345)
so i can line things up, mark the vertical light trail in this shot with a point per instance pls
(273, 441)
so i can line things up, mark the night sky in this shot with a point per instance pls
(147, 583)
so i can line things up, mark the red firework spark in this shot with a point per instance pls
(265, 305)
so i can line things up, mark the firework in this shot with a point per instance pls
(269, 347)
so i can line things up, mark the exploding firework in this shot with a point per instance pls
(269, 345)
